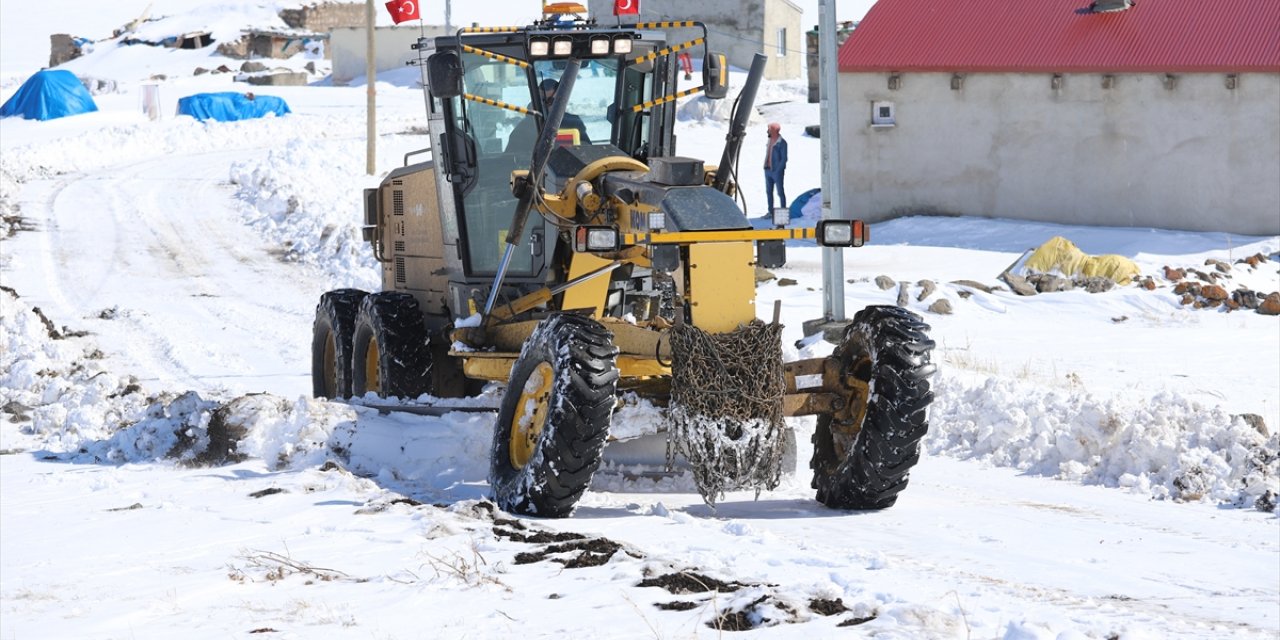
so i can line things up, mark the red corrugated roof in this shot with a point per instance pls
(1063, 36)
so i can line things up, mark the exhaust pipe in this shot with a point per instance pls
(738, 128)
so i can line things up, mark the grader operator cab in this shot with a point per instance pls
(634, 277)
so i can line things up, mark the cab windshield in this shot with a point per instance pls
(503, 140)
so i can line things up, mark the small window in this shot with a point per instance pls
(782, 42)
(882, 114)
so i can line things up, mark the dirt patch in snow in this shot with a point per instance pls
(591, 552)
(688, 582)
(677, 605)
(827, 607)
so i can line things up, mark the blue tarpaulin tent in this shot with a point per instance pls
(230, 105)
(47, 95)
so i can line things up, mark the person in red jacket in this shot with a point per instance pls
(686, 63)
(775, 166)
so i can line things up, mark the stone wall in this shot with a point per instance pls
(63, 48)
(811, 40)
(326, 16)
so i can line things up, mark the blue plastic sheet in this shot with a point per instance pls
(47, 95)
(797, 205)
(230, 105)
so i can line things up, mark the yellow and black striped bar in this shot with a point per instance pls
(667, 51)
(490, 29)
(663, 25)
(495, 56)
(500, 104)
(688, 237)
(665, 99)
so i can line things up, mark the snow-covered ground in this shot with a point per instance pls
(1098, 465)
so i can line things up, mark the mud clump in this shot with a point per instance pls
(826, 607)
(590, 553)
(853, 622)
(538, 537)
(685, 582)
(677, 605)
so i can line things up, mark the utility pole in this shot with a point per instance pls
(832, 204)
(833, 318)
(371, 105)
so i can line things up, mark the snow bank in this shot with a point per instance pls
(56, 388)
(307, 197)
(1165, 446)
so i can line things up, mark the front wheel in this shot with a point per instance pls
(390, 354)
(554, 418)
(862, 455)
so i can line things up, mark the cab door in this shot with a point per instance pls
(482, 140)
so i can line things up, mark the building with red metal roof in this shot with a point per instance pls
(1154, 113)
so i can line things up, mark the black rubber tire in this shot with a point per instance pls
(580, 401)
(390, 351)
(889, 348)
(331, 343)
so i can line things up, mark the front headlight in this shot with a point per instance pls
(781, 216)
(588, 239)
(657, 220)
(842, 233)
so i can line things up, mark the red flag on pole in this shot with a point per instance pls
(402, 10)
(626, 7)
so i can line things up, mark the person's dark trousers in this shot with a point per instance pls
(771, 179)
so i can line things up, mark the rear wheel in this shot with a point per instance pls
(862, 454)
(390, 354)
(331, 343)
(554, 418)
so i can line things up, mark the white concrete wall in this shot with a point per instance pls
(1197, 157)
(782, 14)
(739, 28)
(348, 45)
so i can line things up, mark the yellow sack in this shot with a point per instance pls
(1061, 255)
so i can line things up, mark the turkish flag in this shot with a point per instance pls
(626, 7)
(402, 10)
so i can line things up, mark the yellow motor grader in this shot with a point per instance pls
(555, 243)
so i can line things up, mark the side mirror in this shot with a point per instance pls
(715, 76)
(444, 74)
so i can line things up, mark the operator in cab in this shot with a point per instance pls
(525, 134)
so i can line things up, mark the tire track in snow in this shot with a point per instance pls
(196, 295)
